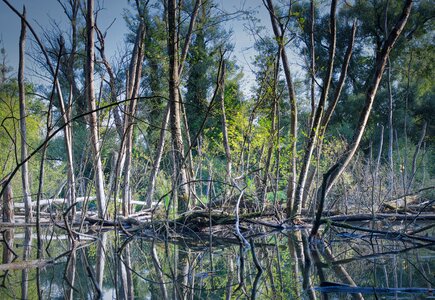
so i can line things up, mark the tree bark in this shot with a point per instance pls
(158, 158)
(180, 183)
(338, 168)
(23, 128)
(315, 130)
(224, 123)
(93, 119)
(133, 92)
(8, 202)
(279, 33)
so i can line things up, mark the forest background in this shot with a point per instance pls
(338, 108)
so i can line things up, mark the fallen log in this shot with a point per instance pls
(22, 265)
(61, 201)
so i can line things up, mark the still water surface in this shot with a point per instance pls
(280, 265)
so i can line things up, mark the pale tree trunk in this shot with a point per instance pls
(8, 217)
(66, 116)
(390, 134)
(158, 158)
(70, 272)
(312, 64)
(64, 113)
(180, 173)
(278, 31)
(93, 119)
(27, 247)
(133, 92)
(329, 111)
(331, 176)
(73, 96)
(101, 261)
(159, 271)
(23, 128)
(224, 125)
(390, 115)
(414, 158)
(315, 130)
(112, 83)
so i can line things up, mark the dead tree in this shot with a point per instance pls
(135, 74)
(331, 176)
(279, 31)
(23, 128)
(92, 118)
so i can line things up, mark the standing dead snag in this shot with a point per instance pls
(338, 168)
(278, 30)
(23, 129)
(93, 120)
(134, 79)
(225, 127)
(315, 128)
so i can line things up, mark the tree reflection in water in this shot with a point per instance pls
(277, 266)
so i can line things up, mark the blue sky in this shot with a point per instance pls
(44, 14)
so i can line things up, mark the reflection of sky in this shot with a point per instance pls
(48, 14)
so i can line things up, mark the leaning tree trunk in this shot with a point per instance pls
(225, 128)
(279, 33)
(23, 128)
(135, 76)
(159, 154)
(329, 111)
(331, 176)
(93, 119)
(315, 129)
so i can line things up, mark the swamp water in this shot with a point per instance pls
(280, 265)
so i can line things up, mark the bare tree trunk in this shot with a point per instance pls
(159, 273)
(337, 169)
(133, 92)
(70, 271)
(23, 128)
(315, 130)
(329, 111)
(158, 158)
(8, 202)
(390, 115)
(93, 119)
(181, 183)
(278, 30)
(71, 196)
(27, 247)
(272, 133)
(224, 123)
(8, 216)
(101, 260)
(312, 65)
(167, 114)
(414, 158)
